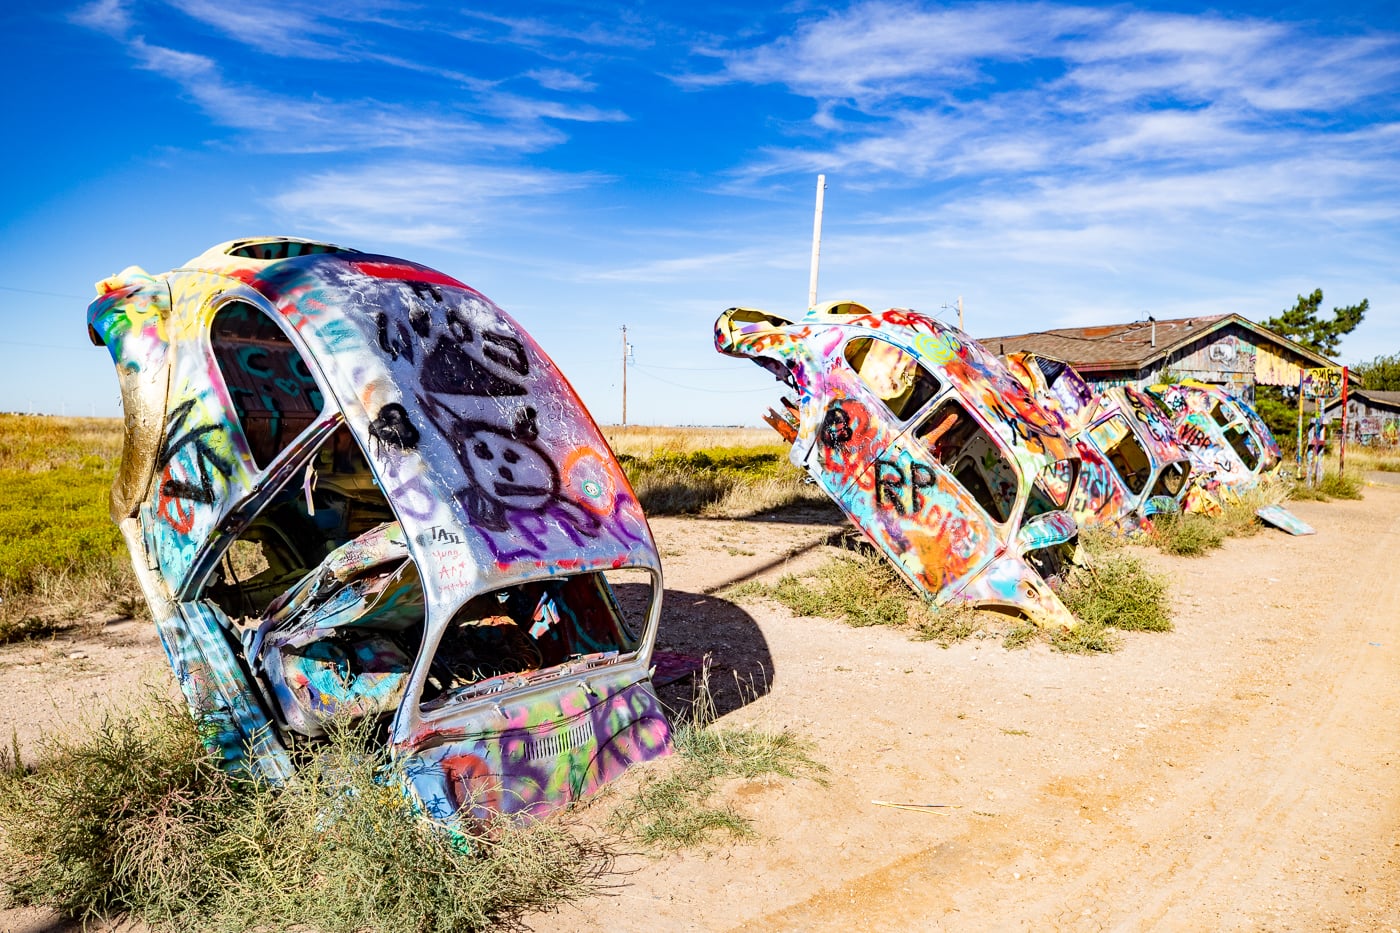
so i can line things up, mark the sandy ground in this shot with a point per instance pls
(1239, 773)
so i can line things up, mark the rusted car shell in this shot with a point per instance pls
(435, 475)
(896, 473)
(1229, 444)
(1133, 466)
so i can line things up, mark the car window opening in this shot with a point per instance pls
(533, 626)
(1220, 413)
(274, 395)
(892, 374)
(1172, 479)
(1244, 444)
(1115, 437)
(1052, 488)
(966, 450)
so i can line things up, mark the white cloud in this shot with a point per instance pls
(875, 51)
(557, 79)
(537, 33)
(422, 203)
(1087, 88)
(290, 124)
(109, 16)
(278, 28)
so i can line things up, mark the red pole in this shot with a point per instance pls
(1342, 449)
(1298, 455)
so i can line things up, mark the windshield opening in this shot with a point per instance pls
(1172, 479)
(537, 625)
(1114, 436)
(1244, 444)
(1052, 488)
(323, 595)
(274, 395)
(894, 376)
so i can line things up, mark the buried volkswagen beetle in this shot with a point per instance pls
(355, 489)
(1132, 465)
(1230, 445)
(929, 445)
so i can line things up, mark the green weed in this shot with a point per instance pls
(61, 556)
(1114, 591)
(1186, 534)
(858, 588)
(135, 817)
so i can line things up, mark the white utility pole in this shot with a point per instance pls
(816, 242)
(624, 375)
(960, 321)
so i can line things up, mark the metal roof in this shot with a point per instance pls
(1131, 346)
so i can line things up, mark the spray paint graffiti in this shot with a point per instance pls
(360, 489)
(1229, 445)
(929, 445)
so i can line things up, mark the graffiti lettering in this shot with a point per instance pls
(202, 456)
(900, 489)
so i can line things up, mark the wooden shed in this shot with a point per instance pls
(1373, 417)
(1224, 349)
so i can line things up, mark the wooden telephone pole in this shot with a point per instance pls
(624, 375)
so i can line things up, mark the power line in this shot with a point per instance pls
(701, 388)
(33, 291)
(52, 346)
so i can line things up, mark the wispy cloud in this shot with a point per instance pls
(292, 124)
(703, 265)
(873, 52)
(423, 203)
(557, 79)
(110, 16)
(1165, 112)
(278, 28)
(541, 34)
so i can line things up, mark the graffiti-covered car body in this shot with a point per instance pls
(1132, 465)
(354, 487)
(1229, 444)
(929, 445)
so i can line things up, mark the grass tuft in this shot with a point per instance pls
(1115, 591)
(134, 817)
(857, 587)
(678, 808)
(723, 482)
(1186, 534)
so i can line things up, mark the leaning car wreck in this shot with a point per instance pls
(354, 488)
(1229, 444)
(1133, 466)
(929, 445)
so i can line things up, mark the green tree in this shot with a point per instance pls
(1304, 324)
(1381, 373)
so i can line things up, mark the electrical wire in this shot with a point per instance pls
(703, 388)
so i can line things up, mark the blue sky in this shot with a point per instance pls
(586, 168)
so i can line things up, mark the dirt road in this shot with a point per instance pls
(1239, 773)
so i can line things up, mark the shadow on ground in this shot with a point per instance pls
(741, 666)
